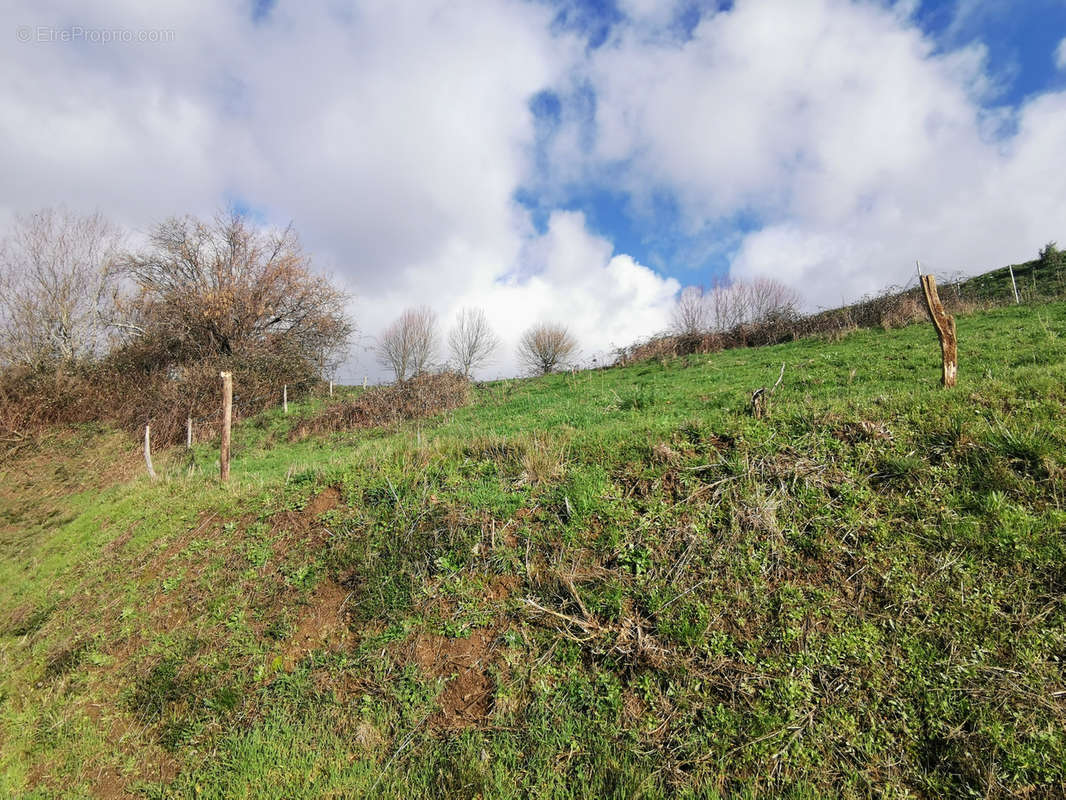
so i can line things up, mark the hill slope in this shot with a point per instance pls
(610, 584)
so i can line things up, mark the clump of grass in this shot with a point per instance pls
(163, 685)
(28, 620)
(493, 448)
(66, 658)
(543, 460)
(899, 470)
(640, 398)
(1027, 450)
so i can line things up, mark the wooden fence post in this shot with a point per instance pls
(285, 398)
(148, 450)
(945, 330)
(188, 432)
(227, 414)
(331, 388)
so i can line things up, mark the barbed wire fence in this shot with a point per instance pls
(208, 427)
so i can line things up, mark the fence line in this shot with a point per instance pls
(257, 403)
(858, 314)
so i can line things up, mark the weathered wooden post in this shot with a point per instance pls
(227, 414)
(285, 398)
(148, 450)
(760, 398)
(945, 330)
(331, 388)
(188, 432)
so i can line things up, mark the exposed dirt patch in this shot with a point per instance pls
(501, 587)
(303, 527)
(721, 443)
(119, 542)
(322, 624)
(669, 485)
(106, 780)
(469, 665)
(464, 664)
(346, 688)
(323, 501)
(166, 613)
(109, 784)
(509, 538)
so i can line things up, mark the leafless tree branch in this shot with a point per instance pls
(471, 340)
(545, 347)
(57, 288)
(409, 344)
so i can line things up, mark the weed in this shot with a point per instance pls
(543, 461)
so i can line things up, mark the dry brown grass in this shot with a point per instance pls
(543, 460)
(893, 308)
(129, 397)
(419, 397)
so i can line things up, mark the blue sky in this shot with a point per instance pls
(1020, 38)
(569, 160)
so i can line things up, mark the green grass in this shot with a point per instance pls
(860, 596)
(1033, 280)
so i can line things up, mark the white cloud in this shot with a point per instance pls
(569, 276)
(970, 14)
(840, 126)
(1060, 55)
(396, 135)
(603, 298)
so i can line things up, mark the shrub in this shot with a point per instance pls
(129, 396)
(893, 308)
(421, 396)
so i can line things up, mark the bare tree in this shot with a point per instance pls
(57, 288)
(771, 301)
(721, 307)
(228, 288)
(471, 340)
(750, 303)
(545, 347)
(691, 315)
(409, 345)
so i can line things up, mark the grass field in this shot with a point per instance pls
(1032, 279)
(609, 584)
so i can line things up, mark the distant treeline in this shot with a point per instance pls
(698, 320)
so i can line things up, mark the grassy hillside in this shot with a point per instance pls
(1033, 279)
(612, 584)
